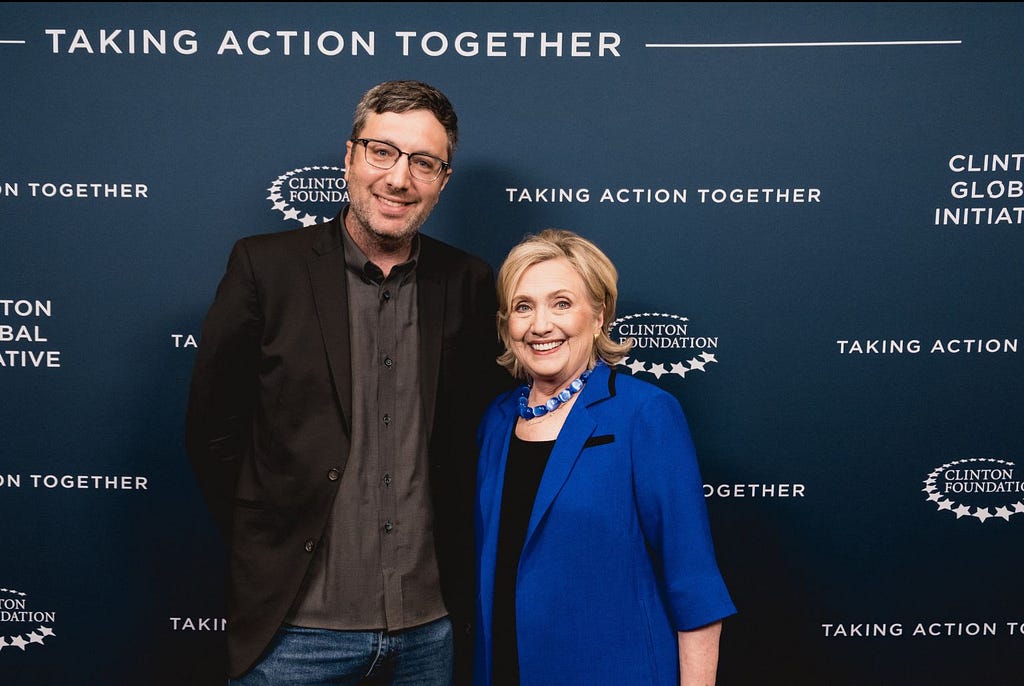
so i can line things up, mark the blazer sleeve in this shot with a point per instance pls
(223, 389)
(673, 515)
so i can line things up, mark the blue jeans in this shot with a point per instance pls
(297, 656)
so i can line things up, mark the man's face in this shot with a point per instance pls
(389, 205)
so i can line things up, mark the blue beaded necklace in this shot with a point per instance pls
(527, 412)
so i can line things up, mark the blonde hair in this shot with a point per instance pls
(595, 269)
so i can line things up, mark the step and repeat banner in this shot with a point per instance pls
(816, 210)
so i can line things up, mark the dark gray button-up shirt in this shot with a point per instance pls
(376, 567)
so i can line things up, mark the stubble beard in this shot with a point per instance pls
(385, 241)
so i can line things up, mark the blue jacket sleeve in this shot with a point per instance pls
(673, 515)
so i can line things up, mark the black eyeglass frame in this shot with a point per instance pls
(366, 149)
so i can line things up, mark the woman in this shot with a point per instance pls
(595, 557)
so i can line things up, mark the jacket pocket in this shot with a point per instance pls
(599, 440)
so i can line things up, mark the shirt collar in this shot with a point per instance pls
(359, 264)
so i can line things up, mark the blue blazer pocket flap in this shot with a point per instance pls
(599, 440)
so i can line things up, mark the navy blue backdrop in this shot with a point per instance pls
(816, 210)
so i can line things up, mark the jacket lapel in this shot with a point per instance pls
(430, 289)
(578, 427)
(327, 278)
(491, 476)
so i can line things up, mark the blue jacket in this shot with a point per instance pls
(618, 553)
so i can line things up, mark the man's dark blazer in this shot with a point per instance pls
(269, 415)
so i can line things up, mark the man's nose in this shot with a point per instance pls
(399, 176)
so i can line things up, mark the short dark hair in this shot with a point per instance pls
(404, 96)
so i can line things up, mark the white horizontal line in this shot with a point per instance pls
(18, 42)
(802, 45)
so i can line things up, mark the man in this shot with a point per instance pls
(340, 376)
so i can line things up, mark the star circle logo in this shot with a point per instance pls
(978, 487)
(309, 195)
(663, 344)
(32, 627)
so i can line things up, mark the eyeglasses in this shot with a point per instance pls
(422, 166)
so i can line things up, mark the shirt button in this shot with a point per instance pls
(333, 474)
(386, 295)
(310, 544)
(387, 479)
(388, 526)
(388, 362)
(387, 419)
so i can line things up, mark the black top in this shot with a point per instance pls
(523, 472)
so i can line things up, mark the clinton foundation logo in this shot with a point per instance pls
(22, 626)
(979, 487)
(663, 344)
(309, 195)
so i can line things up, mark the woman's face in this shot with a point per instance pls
(552, 324)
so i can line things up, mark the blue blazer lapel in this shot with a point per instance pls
(491, 477)
(578, 427)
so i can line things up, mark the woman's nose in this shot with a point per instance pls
(541, 321)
